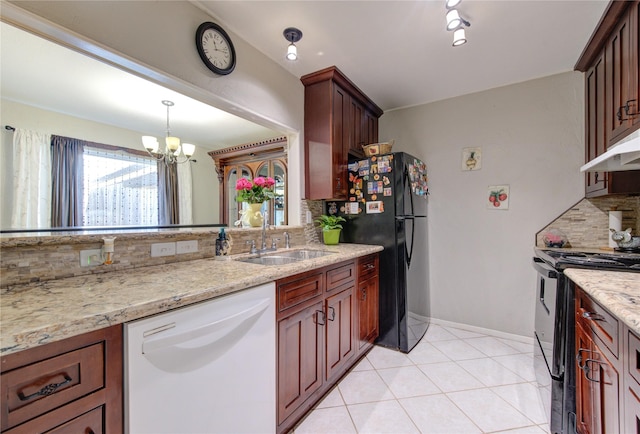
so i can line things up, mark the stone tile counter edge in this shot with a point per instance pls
(50, 311)
(619, 292)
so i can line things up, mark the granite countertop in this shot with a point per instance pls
(45, 312)
(617, 291)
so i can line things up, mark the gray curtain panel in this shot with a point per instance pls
(67, 181)
(168, 212)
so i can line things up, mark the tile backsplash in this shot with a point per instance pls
(29, 259)
(586, 224)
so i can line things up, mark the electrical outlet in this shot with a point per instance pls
(163, 249)
(91, 258)
(309, 218)
(190, 246)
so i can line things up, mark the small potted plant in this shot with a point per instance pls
(330, 225)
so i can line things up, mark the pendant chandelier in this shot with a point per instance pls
(173, 150)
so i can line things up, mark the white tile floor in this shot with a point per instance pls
(454, 381)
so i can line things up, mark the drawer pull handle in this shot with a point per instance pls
(588, 369)
(324, 317)
(593, 316)
(364, 294)
(333, 313)
(47, 390)
(370, 266)
(579, 357)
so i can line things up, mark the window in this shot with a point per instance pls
(119, 189)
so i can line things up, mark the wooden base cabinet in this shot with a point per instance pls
(602, 405)
(70, 386)
(318, 317)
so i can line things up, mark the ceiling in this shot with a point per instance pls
(399, 53)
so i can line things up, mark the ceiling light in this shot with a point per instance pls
(453, 19)
(292, 35)
(172, 149)
(459, 37)
(450, 4)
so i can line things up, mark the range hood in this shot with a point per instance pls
(625, 155)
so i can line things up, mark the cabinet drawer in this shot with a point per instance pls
(298, 289)
(90, 422)
(367, 267)
(604, 325)
(35, 389)
(341, 276)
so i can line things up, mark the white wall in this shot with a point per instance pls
(160, 35)
(205, 181)
(531, 136)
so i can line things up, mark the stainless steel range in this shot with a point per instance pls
(555, 329)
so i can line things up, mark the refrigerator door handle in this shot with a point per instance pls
(410, 251)
(407, 189)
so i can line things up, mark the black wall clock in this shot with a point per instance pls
(215, 48)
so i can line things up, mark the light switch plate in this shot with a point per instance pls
(163, 249)
(91, 258)
(190, 246)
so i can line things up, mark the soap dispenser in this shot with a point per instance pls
(222, 244)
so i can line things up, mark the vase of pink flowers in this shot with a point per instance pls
(254, 193)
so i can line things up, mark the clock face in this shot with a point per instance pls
(215, 48)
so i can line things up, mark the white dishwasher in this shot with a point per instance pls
(205, 368)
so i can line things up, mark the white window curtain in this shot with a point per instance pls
(185, 193)
(119, 189)
(31, 204)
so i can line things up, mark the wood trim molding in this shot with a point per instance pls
(245, 148)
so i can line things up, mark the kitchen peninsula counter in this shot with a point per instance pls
(39, 313)
(619, 292)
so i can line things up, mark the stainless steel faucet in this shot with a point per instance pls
(287, 240)
(265, 224)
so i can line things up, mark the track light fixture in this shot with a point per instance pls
(292, 35)
(450, 4)
(456, 23)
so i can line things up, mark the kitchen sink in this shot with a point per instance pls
(303, 254)
(282, 258)
(270, 260)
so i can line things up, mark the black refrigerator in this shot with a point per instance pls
(387, 206)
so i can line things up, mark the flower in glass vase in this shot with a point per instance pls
(257, 191)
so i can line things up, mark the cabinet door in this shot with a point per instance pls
(371, 128)
(606, 397)
(635, 64)
(596, 130)
(584, 388)
(367, 311)
(340, 139)
(618, 65)
(632, 412)
(300, 338)
(340, 328)
(357, 128)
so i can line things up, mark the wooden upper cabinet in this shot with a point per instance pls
(338, 120)
(611, 63)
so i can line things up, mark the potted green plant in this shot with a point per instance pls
(331, 227)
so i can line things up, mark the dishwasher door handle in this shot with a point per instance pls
(159, 342)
